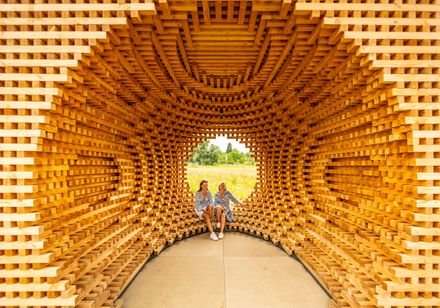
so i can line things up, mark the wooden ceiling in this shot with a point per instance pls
(220, 57)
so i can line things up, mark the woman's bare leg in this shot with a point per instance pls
(210, 210)
(207, 219)
(223, 222)
(219, 213)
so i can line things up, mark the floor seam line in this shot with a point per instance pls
(224, 271)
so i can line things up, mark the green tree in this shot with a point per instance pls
(229, 148)
(222, 159)
(214, 154)
(248, 159)
(209, 154)
(234, 156)
(206, 154)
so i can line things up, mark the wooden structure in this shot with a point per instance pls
(102, 102)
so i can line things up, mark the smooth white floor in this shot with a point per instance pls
(238, 271)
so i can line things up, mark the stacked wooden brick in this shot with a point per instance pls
(102, 104)
(358, 163)
(89, 188)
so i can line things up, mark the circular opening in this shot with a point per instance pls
(223, 160)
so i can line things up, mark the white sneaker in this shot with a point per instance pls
(221, 235)
(213, 237)
(218, 225)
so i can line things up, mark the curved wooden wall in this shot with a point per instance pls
(103, 102)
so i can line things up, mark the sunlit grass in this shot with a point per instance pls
(240, 179)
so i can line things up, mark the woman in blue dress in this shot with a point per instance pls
(204, 207)
(222, 207)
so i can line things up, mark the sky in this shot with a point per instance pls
(222, 143)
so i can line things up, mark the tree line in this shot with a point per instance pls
(210, 154)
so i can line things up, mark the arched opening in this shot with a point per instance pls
(222, 159)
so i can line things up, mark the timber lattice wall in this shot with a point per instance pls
(102, 102)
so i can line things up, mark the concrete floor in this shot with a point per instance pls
(238, 271)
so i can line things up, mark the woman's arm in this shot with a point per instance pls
(210, 199)
(231, 196)
(198, 202)
(216, 199)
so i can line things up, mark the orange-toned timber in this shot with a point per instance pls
(102, 102)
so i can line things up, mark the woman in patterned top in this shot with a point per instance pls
(223, 210)
(204, 207)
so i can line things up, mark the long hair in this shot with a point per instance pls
(201, 183)
(222, 183)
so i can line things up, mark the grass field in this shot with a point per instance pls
(240, 179)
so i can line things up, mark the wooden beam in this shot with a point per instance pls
(230, 11)
(145, 66)
(287, 49)
(164, 57)
(206, 12)
(183, 52)
(195, 19)
(252, 21)
(187, 33)
(285, 8)
(78, 7)
(218, 10)
(261, 54)
(242, 12)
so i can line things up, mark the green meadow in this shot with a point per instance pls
(240, 179)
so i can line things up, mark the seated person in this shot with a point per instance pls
(223, 210)
(204, 207)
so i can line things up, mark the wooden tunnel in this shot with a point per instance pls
(102, 102)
